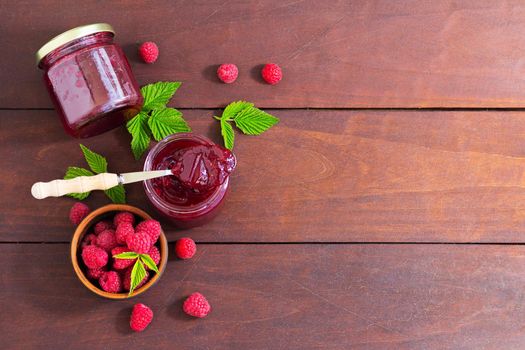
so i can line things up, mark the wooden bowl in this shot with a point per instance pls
(86, 224)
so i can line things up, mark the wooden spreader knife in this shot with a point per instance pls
(104, 181)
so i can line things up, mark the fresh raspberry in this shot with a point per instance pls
(141, 317)
(110, 282)
(103, 226)
(154, 255)
(78, 212)
(196, 305)
(106, 240)
(151, 227)
(94, 257)
(121, 264)
(89, 239)
(185, 248)
(149, 52)
(227, 73)
(122, 232)
(126, 279)
(95, 274)
(139, 242)
(123, 217)
(271, 73)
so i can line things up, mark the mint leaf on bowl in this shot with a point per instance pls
(137, 275)
(148, 261)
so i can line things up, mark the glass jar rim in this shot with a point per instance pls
(71, 35)
(169, 206)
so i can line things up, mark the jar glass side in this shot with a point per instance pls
(91, 85)
(183, 216)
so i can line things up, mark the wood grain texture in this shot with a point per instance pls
(330, 176)
(334, 53)
(279, 297)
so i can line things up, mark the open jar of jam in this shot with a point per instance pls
(89, 80)
(200, 180)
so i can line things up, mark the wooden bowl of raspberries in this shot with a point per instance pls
(124, 231)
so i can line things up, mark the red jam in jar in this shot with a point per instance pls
(201, 169)
(89, 80)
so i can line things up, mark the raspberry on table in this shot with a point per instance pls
(94, 257)
(121, 264)
(89, 239)
(227, 73)
(271, 73)
(185, 248)
(154, 254)
(140, 242)
(103, 226)
(106, 240)
(110, 282)
(141, 317)
(196, 305)
(149, 52)
(95, 274)
(78, 212)
(151, 227)
(122, 232)
(123, 217)
(126, 279)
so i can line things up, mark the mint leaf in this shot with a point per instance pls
(155, 120)
(234, 108)
(249, 119)
(166, 121)
(139, 130)
(137, 275)
(253, 121)
(126, 255)
(73, 172)
(148, 261)
(157, 95)
(117, 194)
(227, 134)
(96, 162)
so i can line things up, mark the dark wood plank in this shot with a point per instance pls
(334, 53)
(318, 176)
(279, 297)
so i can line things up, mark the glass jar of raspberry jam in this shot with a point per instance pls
(193, 195)
(89, 80)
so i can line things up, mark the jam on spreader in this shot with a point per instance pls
(199, 182)
(200, 167)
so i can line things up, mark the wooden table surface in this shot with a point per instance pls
(385, 211)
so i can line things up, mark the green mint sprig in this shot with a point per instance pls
(139, 271)
(249, 119)
(155, 119)
(97, 164)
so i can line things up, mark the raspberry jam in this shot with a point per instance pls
(201, 169)
(89, 80)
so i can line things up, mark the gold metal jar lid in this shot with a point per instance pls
(71, 35)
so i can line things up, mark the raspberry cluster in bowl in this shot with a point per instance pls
(108, 232)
